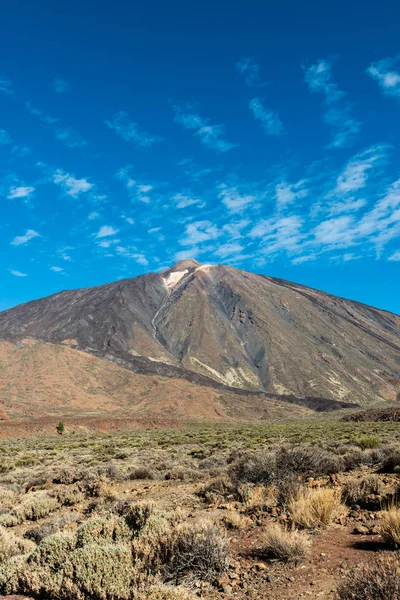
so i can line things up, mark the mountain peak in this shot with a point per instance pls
(187, 263)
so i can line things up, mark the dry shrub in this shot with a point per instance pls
(101, 530)
(11, 545)
(288, 488)
(141, 473)
(254, 468)
(390, 458)
(164, 592)
(281, 544)
(55, 525)
(376, 581)
(137, 514)
(181, 550)
(33, 506)
(304, 460)
(359, 491)
(8, 498)
(389, 526)
(316, 507)
(68, 475)
(234, 520)
(214, 492)
(68, 495)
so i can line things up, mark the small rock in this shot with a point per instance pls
(361, 530)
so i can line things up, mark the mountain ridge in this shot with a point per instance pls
(222, 327)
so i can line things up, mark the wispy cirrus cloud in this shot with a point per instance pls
(137, 190)
(132, 253)
(65, 134)
(211, 136)
(6, 86)
(387, 73)
(57, 270)
(234, 199)
(70, 184)
(60, 86)
(395, 257)
(18, 273)
(130, 131)
(249, 69)
(21, 191)
(268, 118)
(199, 232)
(287, 193)
(338, 112)
(5, 138)
(24, 239)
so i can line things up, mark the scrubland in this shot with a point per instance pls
(271, 510)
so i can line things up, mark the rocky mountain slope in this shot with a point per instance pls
(223, 328)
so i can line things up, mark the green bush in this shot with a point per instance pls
(368, 441)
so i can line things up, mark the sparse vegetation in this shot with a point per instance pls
(379, 580)
(282, 544)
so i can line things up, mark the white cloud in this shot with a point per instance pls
(130, 131)
(233, 199)
(4, 138)
(287, 193)
(60, 85)
(70, 137)
(278, 234)
(138, 191)
(338, 113)
(269, 119)
(355, 175)
(71, 186)
(185, 254)
(228, 249)
(57, 269)
(385, 73)
(211, 136)
(128, 219)
(20, 191)
(106, 231)
(93, 215)
(18, 273)
(131, 252)
(249, 69)
(198, 232)
(184, 201)
(24, 239)
(395, 257)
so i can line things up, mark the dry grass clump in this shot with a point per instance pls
(389, 526)
(362, 491)
(257, 498)
(315, 508)
(232, 519)
(376, 581)
(281, 544)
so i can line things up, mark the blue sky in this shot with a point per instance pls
(258, 134)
